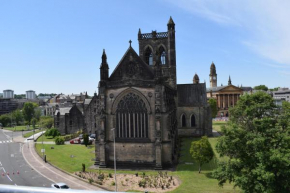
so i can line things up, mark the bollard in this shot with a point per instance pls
(45, 158)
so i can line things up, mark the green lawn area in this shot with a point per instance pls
(31, 133)
(20, 128)
(192, 181)
(217, 125)
(68, 157)
(45, 138)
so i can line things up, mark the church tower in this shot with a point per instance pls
(155, 47)
(213, 76)
(104, 69)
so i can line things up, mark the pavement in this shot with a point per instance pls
(45, 171)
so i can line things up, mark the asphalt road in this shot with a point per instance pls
(13, 163)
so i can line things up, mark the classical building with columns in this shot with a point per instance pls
(226, 96)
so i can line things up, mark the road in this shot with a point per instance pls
(13, 163)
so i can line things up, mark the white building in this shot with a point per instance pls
(8, 94)
(282, 94)
(30, 94)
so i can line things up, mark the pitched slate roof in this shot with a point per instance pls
(191, 95)
(63, 111)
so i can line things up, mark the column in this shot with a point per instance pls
(224, 100)
(228, 100)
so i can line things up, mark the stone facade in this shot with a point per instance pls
(68, 120)
(143, 103)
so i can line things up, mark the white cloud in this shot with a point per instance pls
(266, 21)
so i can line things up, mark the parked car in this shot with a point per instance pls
(81, 136)
(60, 186)
(92, 137)
(75, 141)
(90, 142)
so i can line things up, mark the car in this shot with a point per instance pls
(92, 137)
(81, 136)
(60, 186)
(90, 142)
(75, 141)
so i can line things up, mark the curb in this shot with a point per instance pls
(94, 184)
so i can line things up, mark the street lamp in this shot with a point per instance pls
(116, 189)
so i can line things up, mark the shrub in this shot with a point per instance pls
(110, 175)
(52, 132)
(113, 183)
(142, 183)
(91, 180)
(59, 140)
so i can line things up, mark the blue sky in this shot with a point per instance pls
(56, 46)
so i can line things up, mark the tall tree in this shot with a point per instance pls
(213, 105)
(257, 142)
(28, 111)
(201, 151)
(261, 87)
(17, 116)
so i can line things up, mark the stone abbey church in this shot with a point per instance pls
(145, 105)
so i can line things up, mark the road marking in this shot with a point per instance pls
(80, 185)
(0, 141)
(12, 155)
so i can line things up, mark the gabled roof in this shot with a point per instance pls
(190, 95)
(63, 111)
(219, 88)
(131, 66)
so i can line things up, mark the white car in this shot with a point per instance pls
(60, 186)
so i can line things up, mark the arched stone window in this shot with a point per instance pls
(148, 56)
(163, 55)
(192, 121)
(183, 121)
(131, 117)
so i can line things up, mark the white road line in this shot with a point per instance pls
(51, 171)
(8, 141)
(0, 141)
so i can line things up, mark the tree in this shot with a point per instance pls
(33, 122)
(46, 122)
(213, 105)
(261, 87)
(37, 113)
(17, 116)
(5, 119)
(86, 139)
(28, 111)
(201, 151)
(257, 142)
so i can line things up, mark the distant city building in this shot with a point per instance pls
(8, 105)
(30, 94)
(226, 96)
(1, 95)
(282, 94)
(8, 94)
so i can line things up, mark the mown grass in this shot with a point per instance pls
(217, 125)
(68, 157)
(20, 128)
(45, 138)
(192, 181)
(26, 135)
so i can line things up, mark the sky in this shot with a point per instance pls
(56, 46)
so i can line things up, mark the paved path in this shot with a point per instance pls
(215, 133)
(50, 172)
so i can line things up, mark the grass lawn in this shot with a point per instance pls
(31, 133)
(45, 138)
(217, 125)
(192, 181)
(68, 157)
(20, 128)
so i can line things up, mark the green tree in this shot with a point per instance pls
(37, 113)
(17, 116)
(28, 111)
(257, 142)
(86, 139)
(261, 87)
(46, 122)
(33, 122)
(5, 119)
(213, 105)
(201, 151)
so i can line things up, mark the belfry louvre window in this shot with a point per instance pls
(131, 117)
(148, 56)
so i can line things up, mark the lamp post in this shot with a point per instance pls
(116, 189)
(11, 126)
